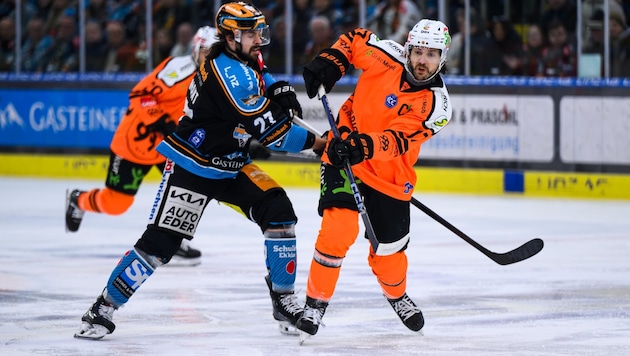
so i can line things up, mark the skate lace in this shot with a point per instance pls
(290, 304)
(314, 315)
(76, 212)
(106, 311)
(405, 308)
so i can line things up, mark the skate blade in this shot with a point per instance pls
(287, 328)
(304, 336)
(91, 332)
(178, 261)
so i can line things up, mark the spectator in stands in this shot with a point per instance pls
(131, 14)
(619, 42)
(64, 55)
(621, 67)
(559, 57)
(531, 60)
(201, 14)
(589, 7)
(95, 47)
(594, 43)
(121, 52)
(7, 44)
(57, 10)
(183, 42)
(162, 45)
(98, 11)
(28, 10)
(392, 19)
(36, 46)
(321, 37)
(327, 8)
(506, 51)
(479, 46)
(563, 11)
(168, 15)
(275, 52)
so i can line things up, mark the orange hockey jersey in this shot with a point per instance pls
(397, 115)
(156, 100)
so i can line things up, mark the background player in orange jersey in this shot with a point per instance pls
(155, 105)
(399, 102)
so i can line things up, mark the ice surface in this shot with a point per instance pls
(571, 299)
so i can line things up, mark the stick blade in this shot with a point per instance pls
(523, 252)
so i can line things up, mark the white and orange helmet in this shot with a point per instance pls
(430, 34)
(204, 38)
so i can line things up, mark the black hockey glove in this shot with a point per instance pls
(356, 147)
(258, 151)
(327, 68)
(283, 94)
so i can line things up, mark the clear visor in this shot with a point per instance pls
(261, 33)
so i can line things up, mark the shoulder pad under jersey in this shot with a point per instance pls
(176, 70)
(392, 48)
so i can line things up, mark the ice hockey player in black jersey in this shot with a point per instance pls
(231, 101)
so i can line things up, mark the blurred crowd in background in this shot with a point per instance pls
(538, 38)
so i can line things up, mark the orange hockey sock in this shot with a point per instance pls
(105, 201)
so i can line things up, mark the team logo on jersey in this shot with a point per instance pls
(196, 138)
(147, 101)
(241, 135)
(251, 100)
(391, 101)
(408, 188)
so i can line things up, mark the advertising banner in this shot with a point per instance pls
(63, 118)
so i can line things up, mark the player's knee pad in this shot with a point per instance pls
(111, 202)
(273, 209)
(132, 270)
(339, 231)
(391, 272)
(159, 244)
(281, 256)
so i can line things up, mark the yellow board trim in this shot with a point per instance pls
(306, 175)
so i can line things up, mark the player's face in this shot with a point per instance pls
(424, 62)
(250, 44)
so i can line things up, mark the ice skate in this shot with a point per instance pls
(311, 319)
(185, 256)
(286, 309)
(97, 321)
(408, 312)
(74, 214)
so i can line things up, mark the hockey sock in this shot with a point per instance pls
(130, 273)
(105, 201)
(391, 273)
(281, 258)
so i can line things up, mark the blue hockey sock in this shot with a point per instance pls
(127, 277)
(281, 259)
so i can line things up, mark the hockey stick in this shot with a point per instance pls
(525, 251)
(358, 199)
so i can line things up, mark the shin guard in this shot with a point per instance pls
(281, 257)
(130, 273)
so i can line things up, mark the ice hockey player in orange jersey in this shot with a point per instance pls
(399, 102)
(155, 105)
